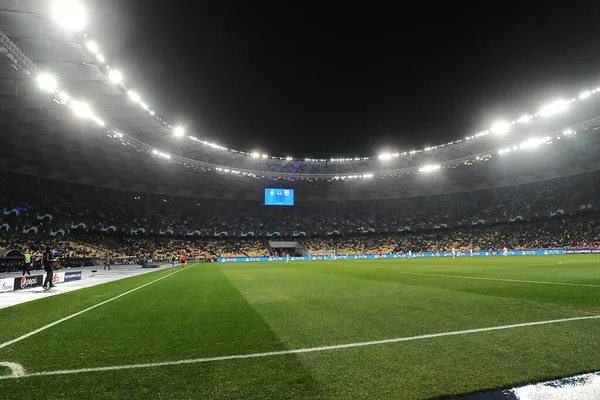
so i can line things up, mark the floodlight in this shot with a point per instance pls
(115, 76)
(500, 127)
(429, 168)
(533, 143)
(255, 155)
(144, 105)
(134, 96)
(92, 46)
(151, 112)
(264, 156)
(554, 108)
(385, 156)
(585, 95)
(524, 119)
(70, 14)
(178, 131)
(81, 109)
(46, 82)
(100, 58)
(64, 96)
(98, 121)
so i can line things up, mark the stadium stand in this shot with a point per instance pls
(538, 215)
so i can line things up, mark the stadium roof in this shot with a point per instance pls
(68, 114)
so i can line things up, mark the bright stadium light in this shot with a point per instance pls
(524, 119)
(98, 121)
(178, 131)
(134, 96)
(115, 76)
(46, 82)
(100, 58)
(92, 46)
(255, 155)
(144, 105)
(553, 108)
(533, 143)
(81, 109)
(64, 96)
(429, 168)
(585, 95)
(500, 127)
(70, 14)
(385, 156)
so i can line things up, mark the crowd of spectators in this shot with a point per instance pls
(515, 217)
(562, 232)
(554, 233)
(33, 206)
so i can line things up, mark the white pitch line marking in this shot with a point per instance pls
(17, 369)
(43, 328)
(299, 351)
(501, 279)
(574, 262)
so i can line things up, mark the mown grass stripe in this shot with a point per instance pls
(68, 317)
(299, 351)
(501, 279)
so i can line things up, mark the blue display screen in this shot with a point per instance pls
(279, 197)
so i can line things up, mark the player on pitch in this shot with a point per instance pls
(182, 259)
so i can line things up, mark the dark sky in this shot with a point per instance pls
(321, 80)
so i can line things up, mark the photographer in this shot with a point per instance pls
(48, 261)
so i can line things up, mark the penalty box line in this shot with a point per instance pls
(43, 328)
(501, 279)
(22, 373)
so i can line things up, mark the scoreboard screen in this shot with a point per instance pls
(279, 197)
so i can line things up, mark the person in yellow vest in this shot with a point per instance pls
(26, 263)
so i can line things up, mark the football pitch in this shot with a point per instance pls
(368, 329)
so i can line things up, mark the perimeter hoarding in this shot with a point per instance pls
(401, 256)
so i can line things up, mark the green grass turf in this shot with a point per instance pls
(216, 310)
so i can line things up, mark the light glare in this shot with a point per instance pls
(70, 14)
(47, 82)
(115, 76)
(500, 127)
(178, 131)
(81, 109)
(554, 108)
(92, 46)
(134, 96)
(429, 168)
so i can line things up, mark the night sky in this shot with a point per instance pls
(323, 81)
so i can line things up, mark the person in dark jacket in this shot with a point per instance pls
(49, 268)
